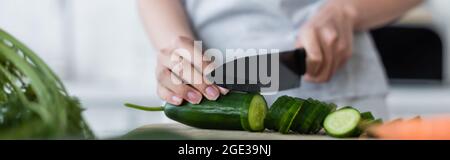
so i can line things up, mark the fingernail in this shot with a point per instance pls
(194, 97)
(224, 91)
(176, 99)
(212, 93)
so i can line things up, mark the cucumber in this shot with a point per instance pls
(367, 116)
(253, 117)
(306, 117)
(364, 125)
(377, 121)
(234, 111)
(282, 113)
(366, 119)
(298, 115)
(342, 123)
(346, 107)
(317, 125)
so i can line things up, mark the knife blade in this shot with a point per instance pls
(262, 73)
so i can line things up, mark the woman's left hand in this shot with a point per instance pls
(327, 38)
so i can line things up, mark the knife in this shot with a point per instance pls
(262, 73)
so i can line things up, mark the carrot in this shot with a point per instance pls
(436, 128)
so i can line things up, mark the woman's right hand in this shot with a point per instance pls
(180, 73)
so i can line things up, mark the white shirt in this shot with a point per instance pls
(274, 24)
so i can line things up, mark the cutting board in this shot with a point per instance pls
(207, 134)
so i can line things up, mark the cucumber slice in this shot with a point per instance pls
(317, 125)
(366, 124)
(346, 107)
(282, 113)
(321, 114)
(305, 118)
(367, 116)
(271, 121)
(342, 123)
(378, 121)
(256, 113)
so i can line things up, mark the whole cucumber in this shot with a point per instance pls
(234, 111)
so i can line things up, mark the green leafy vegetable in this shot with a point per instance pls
(33, 101)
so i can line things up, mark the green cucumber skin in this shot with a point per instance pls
(282, 113)
(321, 114)
(318, 123)
(366, 123)
(224, 113)
(367, 116)
(306, 117)
(377, 121)
(295, 107)
(275, 112)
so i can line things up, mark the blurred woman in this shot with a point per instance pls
(342, 65)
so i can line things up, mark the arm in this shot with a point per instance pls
(328, 35)
(164, 21)
(374, 13)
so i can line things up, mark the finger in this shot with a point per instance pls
(328, 40)
(190, 51)
(172, 61)
(343, 51)
(168, 96)
(347, 47)
(186, 71)
(201, 63)
(310, 42)
(342, 43)
(172, 82)
(336, 52)
(224, 91)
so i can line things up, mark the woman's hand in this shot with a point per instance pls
(180, 74)
(328, 35)
(327, 38)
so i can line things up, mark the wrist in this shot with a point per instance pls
(351, 11)
(348, 8)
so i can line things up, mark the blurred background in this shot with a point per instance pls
(100, 50)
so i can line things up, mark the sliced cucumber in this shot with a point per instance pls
(305, 118)
(256, 113)
(367, 116)
(271, 121)
(342, 123)
(321, 111)
(282, 113)
(378, 121)
(346, 107)
(327, 109)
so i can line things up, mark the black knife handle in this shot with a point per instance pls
(301, 56)
(295, 60)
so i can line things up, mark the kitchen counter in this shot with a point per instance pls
(109, 118)
(206, 134)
